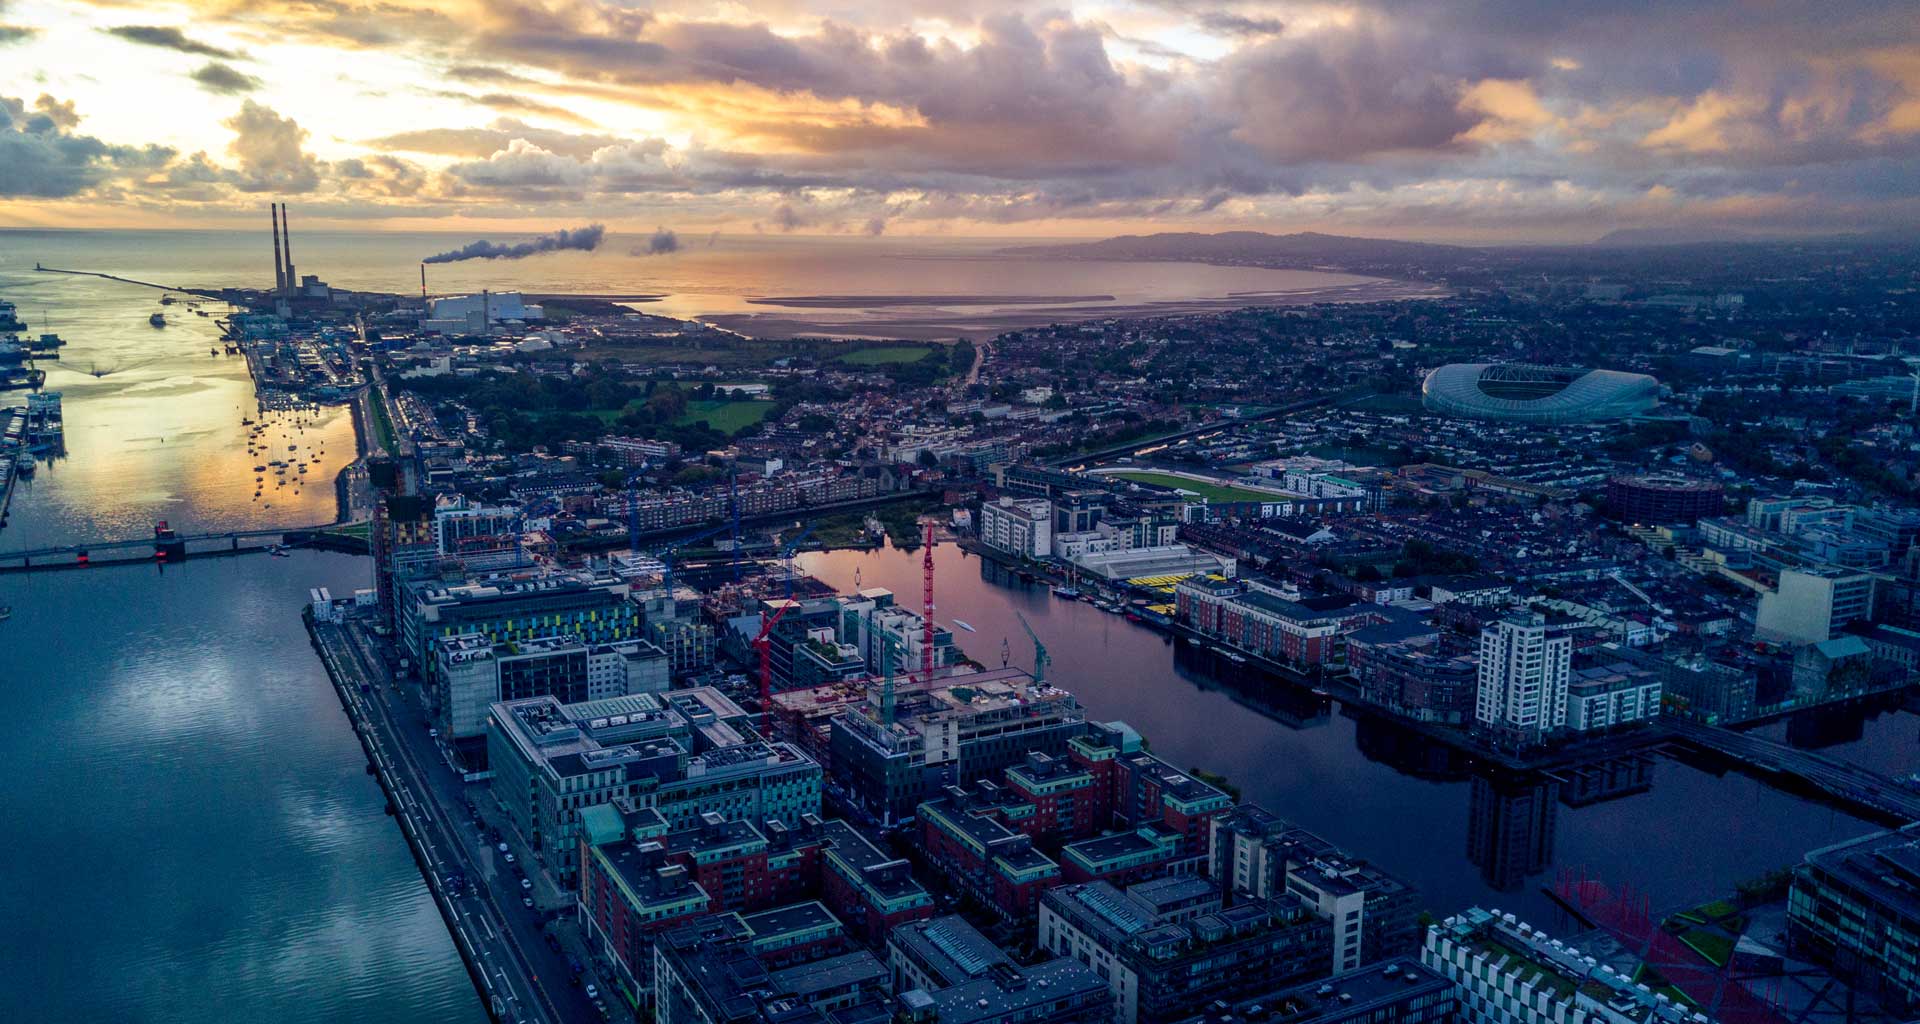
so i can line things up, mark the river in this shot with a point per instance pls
(190, 832)
(1674, 832)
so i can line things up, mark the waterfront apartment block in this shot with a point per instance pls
(1504, 971)
(1855, 907)
(684, 754)
(1254, 617)
(1524, 674)
(1255, 854)
(1022, 527)
(1159, 967)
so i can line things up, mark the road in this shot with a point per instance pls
(547, 964)
(494, 948)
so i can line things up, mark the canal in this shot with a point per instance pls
(1463, 834)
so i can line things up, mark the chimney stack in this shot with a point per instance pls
(279, 274)
(286, 232)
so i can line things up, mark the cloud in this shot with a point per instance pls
(16, 34)
(661, 242)
(586, 239)
(41, 158)
(517, 104)
(223, 80)
(271, 152)
(1228, 23)
(167, 37)
(486, 141)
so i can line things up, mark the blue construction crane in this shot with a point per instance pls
(786, 555)
(1040, 658)
(665, 555)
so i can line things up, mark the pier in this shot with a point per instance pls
(202, 292)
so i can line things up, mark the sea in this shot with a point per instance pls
(191, 835)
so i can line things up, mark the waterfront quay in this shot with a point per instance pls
(516, 955)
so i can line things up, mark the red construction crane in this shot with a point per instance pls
(926, 605)
(766, 655)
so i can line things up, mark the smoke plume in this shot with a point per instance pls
(585, 239)
(661, 242)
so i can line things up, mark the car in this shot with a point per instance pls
(526, 883)
(509, 858)
(435, 733)
(503, 847)
(593, 991)
(526, 901)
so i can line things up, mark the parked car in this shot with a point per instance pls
(593, 991)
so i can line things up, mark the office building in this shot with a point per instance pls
(1522, 692)
(907, 741)
(1811, 605)
(473, 673)
(945, 972)
(1162, 968)
(1855, 908)
(1398, 991)
(1611, 692)
(789, 964)
(685, 754)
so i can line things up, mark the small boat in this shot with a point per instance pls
(964, 624)
(1067, 592)
(25, 464)
(6, 612)
(157, 320)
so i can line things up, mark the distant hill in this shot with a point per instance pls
(1303, 248)
(1633, 238)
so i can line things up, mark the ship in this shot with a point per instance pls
(1067, 592)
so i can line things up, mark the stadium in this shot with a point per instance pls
(1524, 393)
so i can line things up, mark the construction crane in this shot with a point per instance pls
(765, 647)
(787, 551)
(665, 555)
(1040, 657)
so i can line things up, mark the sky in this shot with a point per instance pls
(1457, 121)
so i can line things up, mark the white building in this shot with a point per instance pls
(1609, 694)
(1523, 677)
(1508, 972)
(476, 314)
(1810, 605)
(1018, 526)
(625, 668)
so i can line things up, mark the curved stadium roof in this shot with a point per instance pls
(1523, 393)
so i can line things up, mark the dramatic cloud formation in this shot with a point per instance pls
(586, 239)
(1417, 117)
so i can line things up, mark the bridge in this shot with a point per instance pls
(68, 555)
(1856, 788)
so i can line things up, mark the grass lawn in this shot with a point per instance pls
(882, 355)
(1712, 945)
(726, 416)
(1363, 456)
(1211, 492)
